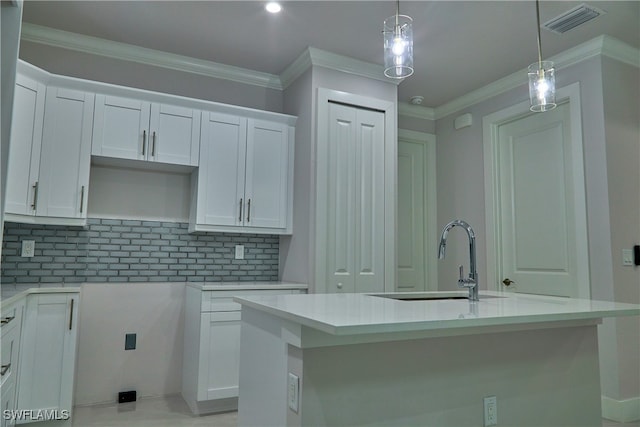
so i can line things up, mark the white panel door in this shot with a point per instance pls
(539, 250)
(121, 128)
(411, 212)
(266, 174)
(24, 149)
(222, 340)
(221, 172)
(66, 153)
(175, 135)
(48, 352)
(355, 200)
(369, 201)
(341, 234)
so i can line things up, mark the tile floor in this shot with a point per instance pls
(172, 412)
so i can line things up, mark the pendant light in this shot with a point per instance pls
(542, 79)
(398, 45)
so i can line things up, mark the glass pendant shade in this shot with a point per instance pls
(542, 86)
(398, 46)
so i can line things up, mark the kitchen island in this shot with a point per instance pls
(356, 359)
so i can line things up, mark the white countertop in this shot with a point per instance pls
(61, 289)
(244, 286)
(349, 314)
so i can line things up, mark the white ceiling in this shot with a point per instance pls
(458, 45)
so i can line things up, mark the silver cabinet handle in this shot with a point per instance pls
(35, 196)
(6, 320)
(144, 140)
(153, 146)
(71, 315)
(249, 210)
(240, 216)
(81, 198)
(4, 369)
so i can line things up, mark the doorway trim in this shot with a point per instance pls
(430, 205)
(490, 125)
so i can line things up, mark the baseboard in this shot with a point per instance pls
(622, 411)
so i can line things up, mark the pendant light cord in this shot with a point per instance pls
(398, 13)
(539, 42)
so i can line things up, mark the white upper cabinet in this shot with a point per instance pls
(266, 174)
(49, 154)
(244, 182)
(66, 154)
(134, 129)
(24, 150)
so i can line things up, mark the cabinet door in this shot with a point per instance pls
(8, 404)
(175, 135)
(266, 174)
(221, 170)
(221, 335)
(24, 148)
(121, 128)
(66, 153)
(48, 352)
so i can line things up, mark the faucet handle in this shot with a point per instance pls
(461, 268)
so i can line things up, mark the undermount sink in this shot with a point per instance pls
(428, 296)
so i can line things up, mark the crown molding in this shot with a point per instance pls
(620, 51)
(317, 57)
(602, 45)
(301, 64)
(416, 111)
(127, 52)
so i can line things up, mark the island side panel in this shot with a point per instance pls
(540, 377)
(262, 387)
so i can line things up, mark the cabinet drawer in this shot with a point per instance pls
(9, 354)
(11, 317)
(223, 300)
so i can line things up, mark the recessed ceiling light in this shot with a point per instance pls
(273, 7)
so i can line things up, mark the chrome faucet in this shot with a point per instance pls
(472, 281)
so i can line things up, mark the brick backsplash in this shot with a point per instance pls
(113, 250)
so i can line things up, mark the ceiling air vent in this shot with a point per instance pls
(572, 18)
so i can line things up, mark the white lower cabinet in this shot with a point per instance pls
(211, 362)
(47, 362)
(11, 330)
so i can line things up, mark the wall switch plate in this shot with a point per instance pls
(130, 341)
(627, 257)
(490, 411)
(239, 251)
(293, 392)
(28, 248)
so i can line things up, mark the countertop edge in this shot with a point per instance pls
(58, 290)
(434, 325)
(245, 286)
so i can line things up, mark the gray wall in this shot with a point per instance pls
(107, 70)
(621, 92)
(609, 102)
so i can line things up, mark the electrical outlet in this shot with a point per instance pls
(28, 248)
(129, 341)
(239, 251)
(293, 392)
(627, 257)
(490, 411)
